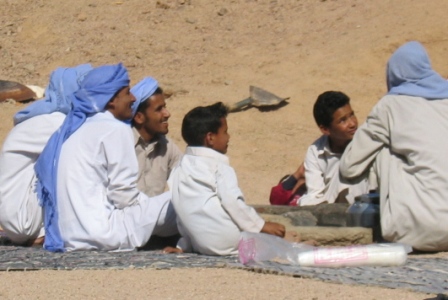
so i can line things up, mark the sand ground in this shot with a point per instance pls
(207, 51)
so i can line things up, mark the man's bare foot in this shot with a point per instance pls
(172, 250)
(38, 242)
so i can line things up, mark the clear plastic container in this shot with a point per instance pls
(259, 247)
(365, 212)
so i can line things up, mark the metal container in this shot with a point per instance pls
(365, 212)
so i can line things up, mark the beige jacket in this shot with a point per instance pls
(155, 162)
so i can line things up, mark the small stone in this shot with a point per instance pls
(301, 218)
(222, 11)
(82, 17)
(331, 214)
(162, 5)
(29, 67)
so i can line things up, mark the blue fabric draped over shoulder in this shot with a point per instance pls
(97, 88)
(409, 72)
(63, 82)
(142, 91)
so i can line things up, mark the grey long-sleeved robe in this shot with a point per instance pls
(406, 139)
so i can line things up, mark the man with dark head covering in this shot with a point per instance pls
(405, 138)
(88, 172)
(20, 213)
(156, 153)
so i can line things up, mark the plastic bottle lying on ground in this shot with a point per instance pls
(258, 247)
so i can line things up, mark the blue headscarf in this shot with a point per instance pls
(63, 82)
(142, 91)
(96, 90)
(409, 73)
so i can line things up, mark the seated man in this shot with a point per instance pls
(210, 206)
(20, 213)
(95, 203)
(320, 171)
(405, 138)
(156, 153)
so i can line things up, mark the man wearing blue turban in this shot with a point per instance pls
(405, 138)
(88, 172)
(156, 153)
(20, 213)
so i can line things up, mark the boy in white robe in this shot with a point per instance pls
(320, 171)
(210, 206)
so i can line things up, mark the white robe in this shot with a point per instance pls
(210, 206)
(99, 204)
(407, 140)
(323, 181)
(20, 213)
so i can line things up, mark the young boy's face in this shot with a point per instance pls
(344, 125)
(219, 141)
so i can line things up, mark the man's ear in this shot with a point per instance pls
(139, 118)
(324, 130)
(209, 139)
(111, 104)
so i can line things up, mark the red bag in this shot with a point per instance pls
(280, 196)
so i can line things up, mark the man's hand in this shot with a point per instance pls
(172, 250)
(274, 229)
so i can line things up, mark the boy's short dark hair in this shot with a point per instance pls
(201, 120)
(326, 104)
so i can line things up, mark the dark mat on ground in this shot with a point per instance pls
(427, 275)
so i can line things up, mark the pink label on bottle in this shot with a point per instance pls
(246, 250)
(340, 255)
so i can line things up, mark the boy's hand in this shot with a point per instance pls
(172, 250)
(300, 172)
(274, 229)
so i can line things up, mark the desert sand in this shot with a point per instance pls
(208, 51)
